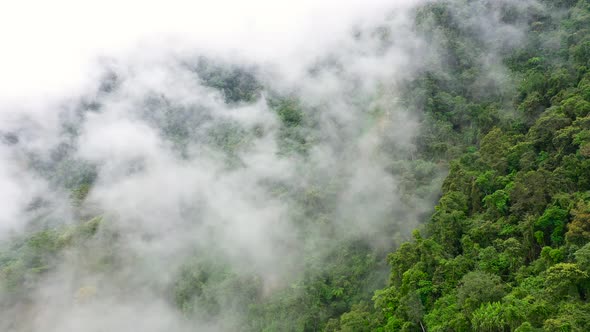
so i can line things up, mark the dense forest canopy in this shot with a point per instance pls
(427, 171)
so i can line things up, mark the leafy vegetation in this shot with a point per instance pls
(504, 249)
(507, 247)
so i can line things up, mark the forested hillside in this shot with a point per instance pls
(432, 174)
(507, 247)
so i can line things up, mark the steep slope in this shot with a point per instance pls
(507, 248)
(221, 196)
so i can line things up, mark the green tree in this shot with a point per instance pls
(477, 288)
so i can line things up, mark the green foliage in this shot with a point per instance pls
(579, 229)
(564, 280)
(235, 83)
(552, 226)
(489, 318)
(477, 288)
(505, 249)
(27, 259)
(508, 244)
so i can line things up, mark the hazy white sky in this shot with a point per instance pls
(49, 47)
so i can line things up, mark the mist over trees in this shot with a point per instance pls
(421, 166)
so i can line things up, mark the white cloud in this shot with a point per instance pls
(50, 48)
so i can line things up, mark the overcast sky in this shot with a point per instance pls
(49, 48)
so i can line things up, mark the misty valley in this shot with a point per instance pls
(425, 167)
